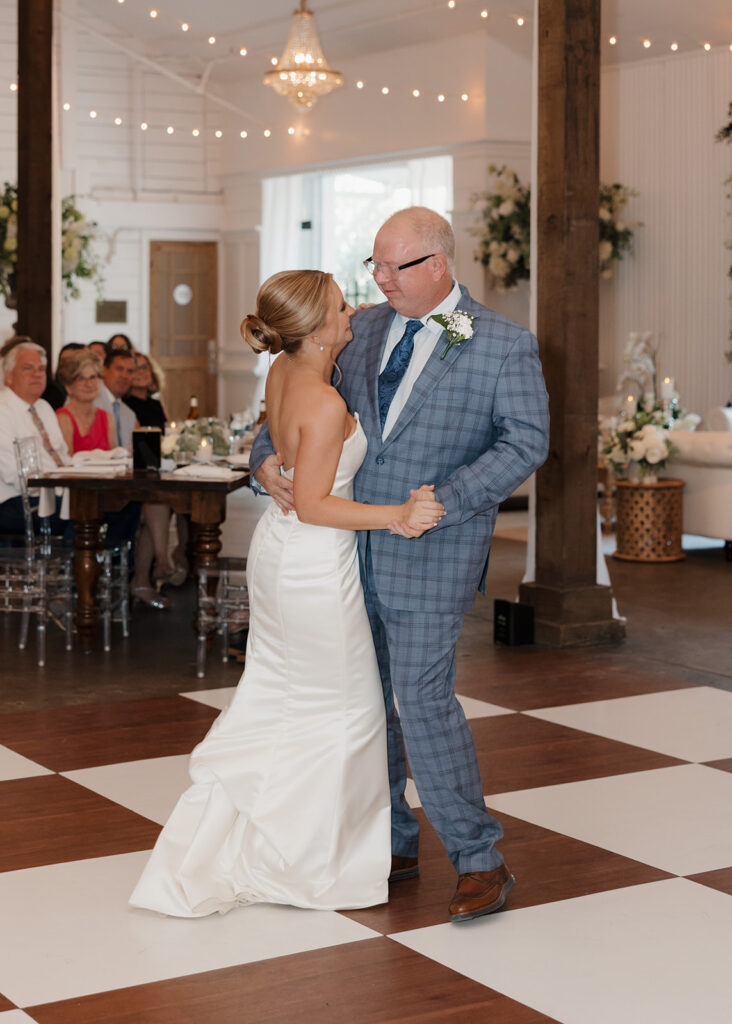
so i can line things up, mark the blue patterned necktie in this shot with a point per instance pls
(391, 376)
(118, 425)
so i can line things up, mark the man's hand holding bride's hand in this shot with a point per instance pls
(278, 487)
(421, 512)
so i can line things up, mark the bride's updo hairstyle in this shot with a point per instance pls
(290, 306)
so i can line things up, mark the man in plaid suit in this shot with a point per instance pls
(464, 409)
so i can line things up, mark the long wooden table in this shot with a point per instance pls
(92, 497)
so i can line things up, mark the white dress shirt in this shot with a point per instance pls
(424, 343)
(15, 422)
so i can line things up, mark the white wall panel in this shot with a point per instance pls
(658, 124)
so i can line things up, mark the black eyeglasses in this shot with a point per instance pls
(391, 268)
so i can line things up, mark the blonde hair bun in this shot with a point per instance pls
(259, 335)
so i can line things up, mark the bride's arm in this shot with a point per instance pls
(318, 454)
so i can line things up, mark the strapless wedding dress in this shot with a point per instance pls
(290, 795)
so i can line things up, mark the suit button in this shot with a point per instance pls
(379, 460)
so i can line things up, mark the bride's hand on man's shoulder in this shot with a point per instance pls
(278, 487)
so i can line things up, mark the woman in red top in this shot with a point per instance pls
(83, 425)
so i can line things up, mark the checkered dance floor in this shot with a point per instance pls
(615, 790)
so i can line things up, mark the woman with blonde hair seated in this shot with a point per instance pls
(83, 425)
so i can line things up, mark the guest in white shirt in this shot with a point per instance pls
(23, 413)
(119, 366)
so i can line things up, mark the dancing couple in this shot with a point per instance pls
(386, 477)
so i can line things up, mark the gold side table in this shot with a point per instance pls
(649, 521)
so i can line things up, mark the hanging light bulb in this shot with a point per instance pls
(302, 73)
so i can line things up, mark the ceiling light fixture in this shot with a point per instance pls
(302, 73)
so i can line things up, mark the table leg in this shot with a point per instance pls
(86, 572)
(207, 549)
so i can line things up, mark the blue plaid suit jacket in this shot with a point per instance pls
(476, 425)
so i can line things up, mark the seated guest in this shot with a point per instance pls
(84, 426)
(100, 347)
(55, 393)
(119, 366)
(119, 342)
(146, 382)
(23, 413)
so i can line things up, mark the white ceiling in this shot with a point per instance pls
(348, 28)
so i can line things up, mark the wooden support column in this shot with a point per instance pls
(570, 609)
(35, 170)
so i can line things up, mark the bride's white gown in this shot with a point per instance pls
(290, 795)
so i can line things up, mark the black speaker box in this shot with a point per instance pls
(513, 624)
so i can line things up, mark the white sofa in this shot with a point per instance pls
(704, 462)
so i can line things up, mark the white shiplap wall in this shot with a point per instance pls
(658, 123)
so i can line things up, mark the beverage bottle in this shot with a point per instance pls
(192, 413)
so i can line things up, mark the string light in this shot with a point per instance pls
(243, 134)
(415, 93)
(273, 61)
(195, 133)
(211, 40)
(153, 13)
(92, 114)
(647, 44)
(170, 129)
(184, 26)
(13, 86)
(118, 120)
(290, 131)
(243, 51)
(441, 98)
(67, 106)
(520, 22)
(385, 90)
(707, 47)
(612, 40)
(144, 126)
(484, 14)
(218, 133)
(674, 47)
(267, 133)
(359, 85)
(450, 3)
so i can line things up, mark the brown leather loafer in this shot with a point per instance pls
(481, 892)
(403, 868)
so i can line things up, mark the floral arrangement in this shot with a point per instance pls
(637, 443)
(215, 433)
(505, 232)
(78, 259)
(725, 135)
(77, 234)
(458, 327)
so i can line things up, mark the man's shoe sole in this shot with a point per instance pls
(490, 909)
(404, 874)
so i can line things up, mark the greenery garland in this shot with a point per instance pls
(78, 260)
(504, 232)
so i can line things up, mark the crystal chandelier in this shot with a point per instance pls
(302, 74)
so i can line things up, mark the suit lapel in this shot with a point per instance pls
(375, 342)
(434, 370)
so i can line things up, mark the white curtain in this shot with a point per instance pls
(281, 217)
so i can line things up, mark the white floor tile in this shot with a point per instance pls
(411, 794)
(218, 698)
(481, 708)
(150, 787)
(15, 1017)
(68, 931)
(677, 819)
(694, 724)
(645, 954)
(15, 766)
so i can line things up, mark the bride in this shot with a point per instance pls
(289, 801)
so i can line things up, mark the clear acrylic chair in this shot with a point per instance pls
(36, 579)
(225, 610)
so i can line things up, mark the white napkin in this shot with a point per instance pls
(241, 460)
(95, 469)
(206, 471)
(100, 457)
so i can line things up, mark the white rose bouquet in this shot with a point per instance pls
(189, 438)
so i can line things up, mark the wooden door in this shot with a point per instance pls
(183, 289)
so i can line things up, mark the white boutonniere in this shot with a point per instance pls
(458, 327)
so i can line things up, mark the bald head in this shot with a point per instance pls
(424, 239)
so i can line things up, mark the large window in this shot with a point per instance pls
(327, 220)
